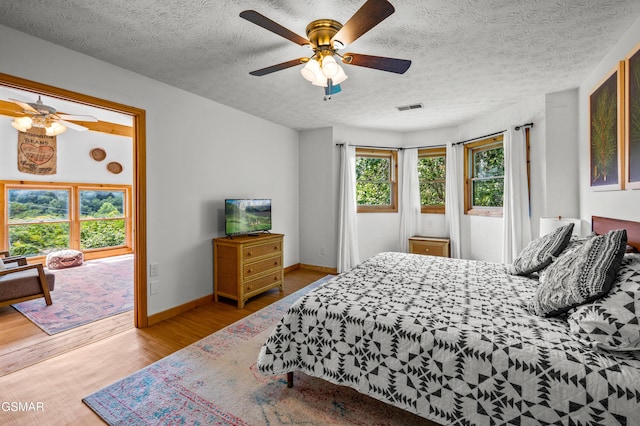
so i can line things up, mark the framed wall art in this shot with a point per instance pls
(606, 132)
(632, 120)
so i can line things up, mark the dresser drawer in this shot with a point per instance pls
(251, 269)
(259, 250)
(271, 280)
(435, 247)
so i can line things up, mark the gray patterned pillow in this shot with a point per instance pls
(580, 276)
(612, 323)
(539, 253)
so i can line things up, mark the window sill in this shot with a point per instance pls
(485, 212)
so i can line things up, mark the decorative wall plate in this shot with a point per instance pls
(98, 154)
(114, 167)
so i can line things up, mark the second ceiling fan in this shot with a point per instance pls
(326, 37)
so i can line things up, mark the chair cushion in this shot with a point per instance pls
(64, 259)
(23, 283)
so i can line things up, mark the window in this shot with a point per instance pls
(42, 217)
(484, 171)
(432, 177)
(484, 175)
(102, 219)
(376, 180)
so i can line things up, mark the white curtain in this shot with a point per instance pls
(410, 198)
(348, 255)
(454, 172)
(516, 221)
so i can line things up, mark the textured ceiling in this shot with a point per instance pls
(469, 56)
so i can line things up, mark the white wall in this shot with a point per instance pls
(318, 198)
(194, 161)
(74, 162)
(615, 204)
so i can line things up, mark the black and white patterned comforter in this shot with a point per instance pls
(451, 340)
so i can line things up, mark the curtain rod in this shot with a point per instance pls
(395, 148)
(493, 134)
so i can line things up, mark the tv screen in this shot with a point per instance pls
(246, 216)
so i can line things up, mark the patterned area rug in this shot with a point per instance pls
(215, 381)
(95, 290)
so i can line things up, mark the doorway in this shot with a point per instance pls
(138, 221)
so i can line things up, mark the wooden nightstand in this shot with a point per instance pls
(429, 246)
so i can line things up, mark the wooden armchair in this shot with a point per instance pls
(20, 282)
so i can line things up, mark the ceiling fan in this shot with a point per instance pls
(326, 37)
(37, 114)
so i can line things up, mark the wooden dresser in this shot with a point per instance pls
(430, 246)
(244, 266)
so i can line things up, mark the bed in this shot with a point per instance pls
(452, 341)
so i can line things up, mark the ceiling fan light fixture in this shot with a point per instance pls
(321, 81)
(330, 67)
(22, 124)
(340, 76)
(55, 129)
(310, 70)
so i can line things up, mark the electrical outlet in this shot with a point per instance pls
(154, 270)
(154, 287)
(323, 251)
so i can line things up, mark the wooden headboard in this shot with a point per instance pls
(602, 225)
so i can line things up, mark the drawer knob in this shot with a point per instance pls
(248, 288)
(248, 271)
(426, 250)
(275, 263)
(275, 278)
(248, 253)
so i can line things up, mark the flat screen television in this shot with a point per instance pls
(247, 216)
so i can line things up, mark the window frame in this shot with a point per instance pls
(433, 152)
(469, 150)
(392, 155)
(74, 220)
(472, 147)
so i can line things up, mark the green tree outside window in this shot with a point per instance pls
(432, 178)
(376, 177)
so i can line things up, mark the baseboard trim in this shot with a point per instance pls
(291, 268)
(177, 310)
(324, 269)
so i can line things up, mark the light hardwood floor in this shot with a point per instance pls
(57, 385)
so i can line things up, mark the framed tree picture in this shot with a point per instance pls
(632, 121)
(606, 132)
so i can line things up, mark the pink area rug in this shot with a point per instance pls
(95, 290)
(215, 381)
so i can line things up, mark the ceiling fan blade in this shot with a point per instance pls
(73, 126)
(25, 106)
(77, 117)
(399, 66)
(368, 16)
(278, 67)
(274, 27)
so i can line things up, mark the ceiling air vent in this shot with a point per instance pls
(409, 107)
